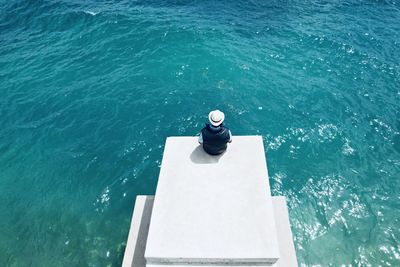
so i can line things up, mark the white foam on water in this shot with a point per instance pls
(327, 131)
(277, 185)
(91, 12)
(276, 142)
(347, 149)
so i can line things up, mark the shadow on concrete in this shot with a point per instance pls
(199, 156)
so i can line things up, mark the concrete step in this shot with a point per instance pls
(136, 245)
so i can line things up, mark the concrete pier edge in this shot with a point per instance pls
(136, 245)
(211, 211)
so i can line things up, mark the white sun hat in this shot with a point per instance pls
(216, 117)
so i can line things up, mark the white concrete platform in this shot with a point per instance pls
(213, 209)
(134, 252)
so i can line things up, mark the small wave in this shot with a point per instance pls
(347, 149)
(105, 195)
(320, 133)
(103, 200)
(277, 185)
(91, 12)
(276, 142)
(327, 131)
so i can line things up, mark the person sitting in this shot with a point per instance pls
(215, 136)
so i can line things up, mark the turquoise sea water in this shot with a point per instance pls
(89, 90)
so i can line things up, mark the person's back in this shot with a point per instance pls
(215, 136)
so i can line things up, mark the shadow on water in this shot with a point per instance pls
(199, 156)
(119, 256)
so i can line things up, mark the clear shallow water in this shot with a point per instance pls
(89, 92)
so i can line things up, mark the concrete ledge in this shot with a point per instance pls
(134, 252)
(137, 238)
(285, 238)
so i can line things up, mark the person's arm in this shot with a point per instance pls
(230, 137)
(200, 139)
